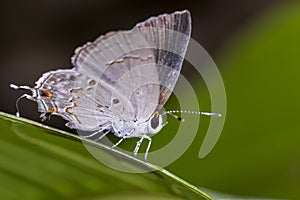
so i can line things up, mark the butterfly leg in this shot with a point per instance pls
(137, 147)
(102, 136)
(148, 147)
(138, 144)
(118, 143)
(92, 134)
(97, 132)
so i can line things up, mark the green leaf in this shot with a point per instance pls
(40, 162)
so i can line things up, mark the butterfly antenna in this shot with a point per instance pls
(21, 97)
(175, 116)
(171, 112)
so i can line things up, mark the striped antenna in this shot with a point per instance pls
(171, 112)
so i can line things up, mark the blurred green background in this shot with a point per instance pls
(258, 153)
(255, 45)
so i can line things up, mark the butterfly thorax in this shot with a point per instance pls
(136, 128)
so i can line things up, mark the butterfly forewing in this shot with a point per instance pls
(170, 34)
(127, 68)
(159, 42)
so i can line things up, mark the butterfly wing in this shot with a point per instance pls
(135, 71)
(122, 63)
(170, 34)
(68, 94)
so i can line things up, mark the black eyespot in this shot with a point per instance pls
(115, 101)
(154, 122)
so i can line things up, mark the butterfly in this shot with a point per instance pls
(119, 82)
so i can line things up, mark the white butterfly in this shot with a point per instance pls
(119, 82)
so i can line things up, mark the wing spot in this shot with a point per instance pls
(118, 61)
(51, 110)
(101, 106)
(115, 101)
(46, 94)
(76, 90)
(92, 82)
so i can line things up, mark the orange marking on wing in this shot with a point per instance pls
(51, 110)
(46, 94)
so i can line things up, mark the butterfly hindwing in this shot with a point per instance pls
(70, 95)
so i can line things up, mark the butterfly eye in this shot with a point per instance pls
(155, 123)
